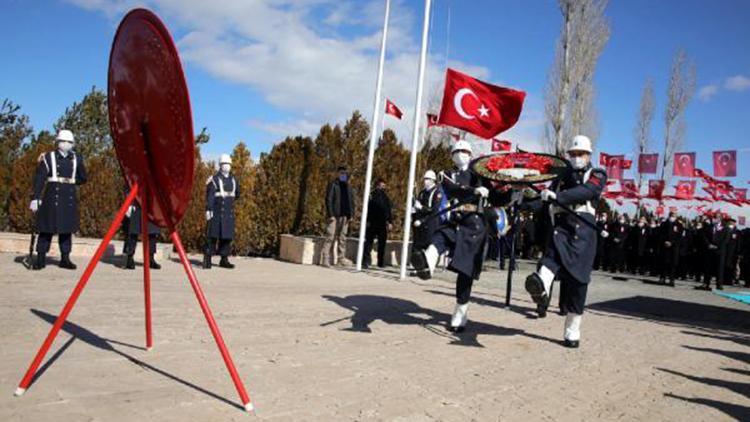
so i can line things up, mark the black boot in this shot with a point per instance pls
(41, 261)
(153, 264)
(571, 344)
(206, 261)
(65, 262)
(224, 263)
(129, 262)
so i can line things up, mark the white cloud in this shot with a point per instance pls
(315, 60)
(737, 83)
(707, 92)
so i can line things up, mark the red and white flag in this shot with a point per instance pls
(626, 164)
(725, 163)
(740, 194)
(685, 189)
(684, 164)
(660, 210)
(647, 163)
(741, 221)
(392, 109)
(655, 189)
(479, 107)
(603, 159)
(432, 120)
(629, 188)
(614, 166)
(501, 145)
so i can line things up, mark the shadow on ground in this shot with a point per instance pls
(79, 333)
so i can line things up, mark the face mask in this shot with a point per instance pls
(622, 221)
(461, 159)
(731, 227)
(579, 162)
(429, 184)
(698, 227)
(641, 224)
(225, 168)
(653, 226)
(64, 147)
(342, 178)
(672, 219)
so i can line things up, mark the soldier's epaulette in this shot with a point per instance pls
(41, 157)
(209, 180)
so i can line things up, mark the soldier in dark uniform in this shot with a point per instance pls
(570, 256)
(670, 234)
(428, 201)
(464, 236)
(55, 199)
(379, 220)
(222, 190)
(133, 233)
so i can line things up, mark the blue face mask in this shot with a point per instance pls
(343, 177)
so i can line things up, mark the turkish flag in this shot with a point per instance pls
(740, 194)
(391, 109)
(501, 145)
(626, 164)
(660, 210)
(655, 189)
(685, 189)
(684, 164)
(614, 166)
(725, 163)
(432, 120)
(629, 188)
(723, 187)
(603, 159)
(478, 107)
(741, 221)
(647, 163)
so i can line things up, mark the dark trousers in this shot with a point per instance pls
(44, 240)
(372, 233)
(714, 268)
(222, 246)
(132, 239)
(572, 292)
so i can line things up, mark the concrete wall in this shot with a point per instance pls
(307, 249)
(18, 243)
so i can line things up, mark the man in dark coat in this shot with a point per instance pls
(339, 211)
(55, 199)
(732, 250)
(222, 191)
(428, 201)
(652, 248)
(601, 261)
(745, 253)
(700, 246)
(465, 234)
(570, 256)
(640, 237)
(716, 246)
(133, 234)
(619, 237)
(686, 245)
(379, 220)
(670, 235)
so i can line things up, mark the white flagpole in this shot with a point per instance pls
(374, 132)
(415, 139)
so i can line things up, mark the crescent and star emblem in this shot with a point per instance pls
(457, 104)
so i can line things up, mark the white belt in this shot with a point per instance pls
(67, 180)
(583, 208)
(224, 194)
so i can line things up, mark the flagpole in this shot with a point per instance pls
(415, 139)
(373, 139)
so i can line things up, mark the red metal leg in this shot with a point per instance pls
(211, 322)
(26, 381)
(146, 244)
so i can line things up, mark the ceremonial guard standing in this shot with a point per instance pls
(570, 256)
(464, 235)
(670, 235)
(133, 233)
(428, 201)
(55, 199)
(222, 190)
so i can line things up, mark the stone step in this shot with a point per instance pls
(83, 247)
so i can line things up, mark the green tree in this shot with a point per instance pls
(89, 121)
(14, 129)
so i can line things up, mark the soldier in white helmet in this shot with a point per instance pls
(428, 201)
(222, 190)
(569, 255)
(464, 234)
(55, 200)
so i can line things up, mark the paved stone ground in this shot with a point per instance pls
(329, 344)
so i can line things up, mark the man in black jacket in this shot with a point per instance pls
(379, 219)
(670, 234)
(745, 252)
(640, 237)
(716, 246)
(620, 232)
(339, 211)
(732, 248)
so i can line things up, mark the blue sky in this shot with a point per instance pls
(260, 70)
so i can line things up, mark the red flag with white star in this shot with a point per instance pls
(432, 120)
(479, 107)
(647, 163)
(725, 163)
(684, 164)
(655, 189)
(391, 109)
(614, 166)
(685, 189)
(501, 145)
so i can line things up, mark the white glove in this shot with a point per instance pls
(547, 195)
(130, 211)
(209, 215)
(34, 205)
(417, 205)
(482, 191)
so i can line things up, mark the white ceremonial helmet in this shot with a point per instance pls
(225, 159)
(429, 174)
(581, 143)
(461, 146)
(65, 135)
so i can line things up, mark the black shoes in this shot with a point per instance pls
(129, 262)
(41, 261)
(571, 344)
(153, 264)
(419, 262)
(535, 287)
(66, 264)
(224, 263)
(206, 261)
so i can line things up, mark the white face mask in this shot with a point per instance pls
(64, 147)
(461, 159)
(579, 162)
(672, 219)
(225, 168)
(429, 184)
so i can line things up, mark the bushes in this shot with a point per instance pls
(283, 192)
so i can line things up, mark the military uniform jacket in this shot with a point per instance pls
(56, 183)
(430, 200)
(574, 242)
(221, 193)
(133, 223)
